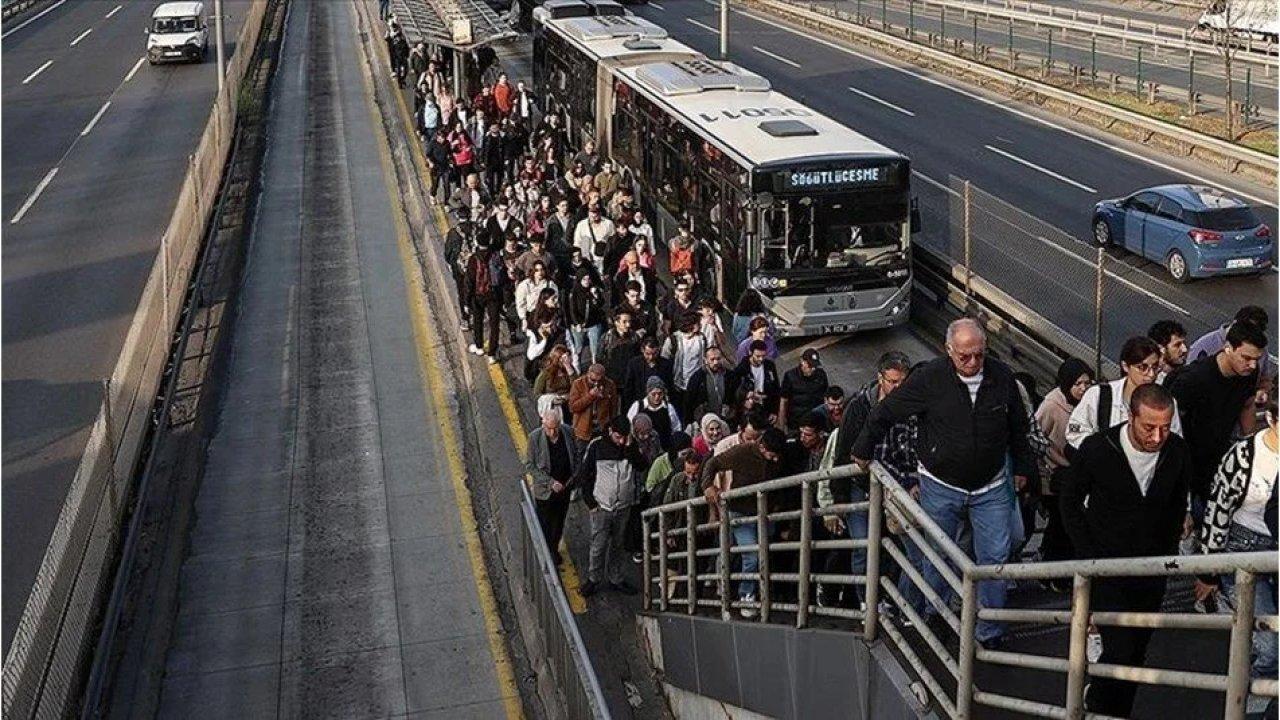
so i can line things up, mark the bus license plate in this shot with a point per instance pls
(1238, 263)
(836, 329)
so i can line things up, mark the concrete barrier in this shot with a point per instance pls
(45, 668)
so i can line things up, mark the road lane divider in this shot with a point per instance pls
(882, 101)
(703, 25)
(36, 72)
(1040, 168)
(775, 56)
(96, 117)
(35, 194)
(27, 22)
(133, 70)
(80, 37)
(657, 6)
(113, 11)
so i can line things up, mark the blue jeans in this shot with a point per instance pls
(855, 524)
(589, 337)
(746, 535)
(1242, 539)
(988, 514)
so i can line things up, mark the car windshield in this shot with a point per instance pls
(1226, 219)
(817, 232)
(167, 25)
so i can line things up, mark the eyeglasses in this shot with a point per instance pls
(1146, 368)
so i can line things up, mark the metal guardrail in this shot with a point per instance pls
(1127, 29)
(12, 8)
(45, 668)
(668, 570)
(1234, 158)
(566, 655)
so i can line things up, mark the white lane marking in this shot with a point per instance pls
(775, 56)
(44, 12)
(80, 37)
(97, 116)
(38, 70)
(31, 200)
(883, 102)
(1041, 168)
(656, 5)
(1269, 202)
(134, 70)
(114, 10)
(704, 26)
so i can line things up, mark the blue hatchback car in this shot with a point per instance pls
(1194, 231)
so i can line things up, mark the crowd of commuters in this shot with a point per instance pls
(649, 391)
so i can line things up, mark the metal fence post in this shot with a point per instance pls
(762, 553)
(1013, 59)
(884, 15)
(1048, 61)
(968, 649)
(875, 523)
(724, 29)
(911, 20)
(691, 557)
(1093, 59)
(858, 12)
(1241, 645)
(725, 561)
(1099, 276)
(1191, 83)
(806, 538)
(109, 442)
(1077, 650)
(645, 571)
(968, 241)
(1248, 94)
(1138, 86)
(975, 37)
(662, 560)
(943, 16)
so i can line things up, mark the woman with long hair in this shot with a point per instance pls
(551, 387)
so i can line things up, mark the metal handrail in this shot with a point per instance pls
(886, 498)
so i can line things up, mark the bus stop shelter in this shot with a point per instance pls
(464, 28)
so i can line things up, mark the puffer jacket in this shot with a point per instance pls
(607, 474)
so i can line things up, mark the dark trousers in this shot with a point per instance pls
(1056, 544)
(484, 316)
(1122, 646)
(551, 515)
(493, 179)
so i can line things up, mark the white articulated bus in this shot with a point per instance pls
(812, 215)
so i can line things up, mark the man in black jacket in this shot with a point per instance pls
(754, 384)
(1126, 496)
(971, 423)
(649, 364)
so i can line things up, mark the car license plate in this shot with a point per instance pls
(1238, 263)
(836, 329)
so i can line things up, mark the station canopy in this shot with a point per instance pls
(459, 24)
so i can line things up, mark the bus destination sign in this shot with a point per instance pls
(834, 178)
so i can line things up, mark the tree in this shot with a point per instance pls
(1219, 19)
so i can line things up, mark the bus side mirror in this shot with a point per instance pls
(915, 216)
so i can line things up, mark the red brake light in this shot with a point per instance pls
(1205, 237)
(1262, 231)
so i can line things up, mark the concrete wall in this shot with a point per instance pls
(712, 668)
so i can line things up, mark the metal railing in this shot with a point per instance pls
(565, 655)
(1232, 157)
(676, 535)
(45, 669)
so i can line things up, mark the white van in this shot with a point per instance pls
(178, 32)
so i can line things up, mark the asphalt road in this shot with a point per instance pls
(79, 242)
(1047, 170)
(1169, 69)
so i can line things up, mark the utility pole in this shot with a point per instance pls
(724, 29)
(217, 31)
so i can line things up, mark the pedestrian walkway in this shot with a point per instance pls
(330, 572)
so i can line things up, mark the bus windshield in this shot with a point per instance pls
(821, 232)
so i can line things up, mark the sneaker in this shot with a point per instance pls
(821, 595)
(1093, 647)
(588, 588)
(747, 612)
(623, 587)
(493, 360)
(637, 558)
(474, 350)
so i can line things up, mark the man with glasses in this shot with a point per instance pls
(1106, 405)
(972, 437)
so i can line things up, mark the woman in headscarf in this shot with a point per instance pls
(710, 431)
(1073, 379)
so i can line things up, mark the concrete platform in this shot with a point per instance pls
(330, 572)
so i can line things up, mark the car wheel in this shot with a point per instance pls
(1101, 232)
(1176, 264)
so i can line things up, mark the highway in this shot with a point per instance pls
(95, 144)
(1051, 169)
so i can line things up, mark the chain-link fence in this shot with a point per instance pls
(1092, 296)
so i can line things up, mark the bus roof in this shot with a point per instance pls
(741, 111)
(735, 108)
